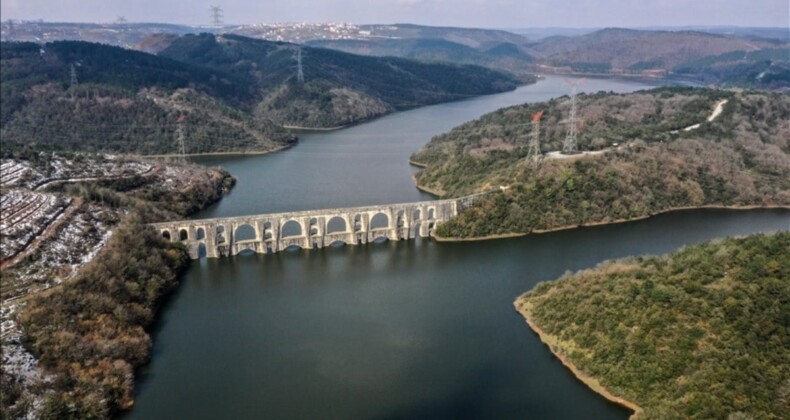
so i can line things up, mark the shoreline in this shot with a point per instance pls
(434, 193)
(419, 165)
(614, 222)
(315, 129)
(669, 210)
(479, 238)
(244, 153)
(667, 78)
(589, 381)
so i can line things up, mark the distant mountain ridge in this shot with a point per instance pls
(220, 93)
(503, 56)
(339, 88)
(753, 63)
(631, 49)
(305, 32)
(471, 37)
(644, 52)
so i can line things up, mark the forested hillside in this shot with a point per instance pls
(699, 334)
(741, 158)
(79, 300)
(766, 68)
(727, 56)
(510, 57)
(471, 37)
(338, 88)
(219, 93)
(123, 101)
(628, 49)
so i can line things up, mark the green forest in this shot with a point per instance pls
(701, 333)
(740, 159)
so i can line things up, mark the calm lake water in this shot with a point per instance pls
(389, 330)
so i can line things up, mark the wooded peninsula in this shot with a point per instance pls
(649, 163)
(700, 333)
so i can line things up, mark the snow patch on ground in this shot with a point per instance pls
(46, 255)
(24, 215)
(62, 168)
(19, 366)
(60, 257)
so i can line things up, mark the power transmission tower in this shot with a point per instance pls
(181, 137)
(73, 75)
(9, 30)
(216, 16)
(533, 152)
(299, 69)
(570, 145)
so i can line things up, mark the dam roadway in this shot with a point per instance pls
(270, 233)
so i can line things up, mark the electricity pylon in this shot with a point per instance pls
(73, 75)
(533, 152)
(299, 69)
(570, 145)
(216, 16)
(181, 134)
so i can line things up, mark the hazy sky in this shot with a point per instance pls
(476, 13)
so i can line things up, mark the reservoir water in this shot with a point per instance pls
(388, 330)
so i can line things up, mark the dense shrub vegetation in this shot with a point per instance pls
(701, 333)
(741, 158)
(91, 332)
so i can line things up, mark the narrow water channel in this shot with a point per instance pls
(391, 330)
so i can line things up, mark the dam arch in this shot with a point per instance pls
(270, 233)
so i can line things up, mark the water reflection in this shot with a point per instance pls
(420, 330)
(388, 330)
